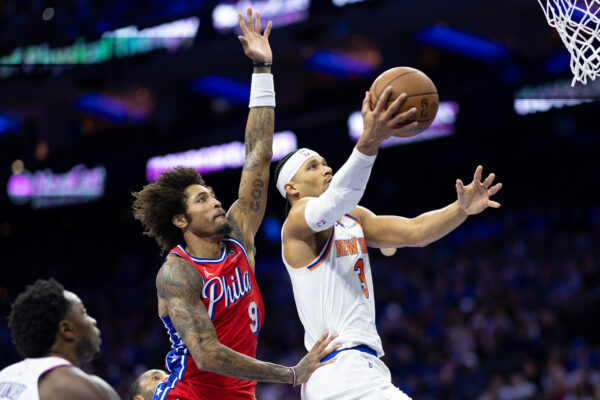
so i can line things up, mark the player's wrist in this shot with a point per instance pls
(262, 67)
(262, 90)
(368, 147)
(460, 209)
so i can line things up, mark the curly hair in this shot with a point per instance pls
(158, 202)
(35, 315)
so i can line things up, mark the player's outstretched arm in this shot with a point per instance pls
(347, 187)
(178, 285)
(393, 231)
(246, 214)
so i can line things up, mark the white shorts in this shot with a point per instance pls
(354, 375)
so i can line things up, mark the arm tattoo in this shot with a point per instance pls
(179, 284)
(259, 133)
(246, 214)
(257, 193)
(236, 231)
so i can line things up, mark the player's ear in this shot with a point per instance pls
(179, 221)
(66, 330)
(290, 188)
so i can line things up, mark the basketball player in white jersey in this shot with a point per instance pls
(51, 329)
(325, 240)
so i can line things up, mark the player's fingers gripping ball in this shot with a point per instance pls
(420, 90)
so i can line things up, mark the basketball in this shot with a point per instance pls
(420, 90)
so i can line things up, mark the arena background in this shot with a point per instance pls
(505, 307)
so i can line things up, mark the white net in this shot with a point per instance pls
(578, 23)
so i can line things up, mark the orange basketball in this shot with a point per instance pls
(420, 90)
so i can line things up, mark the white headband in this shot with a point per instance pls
(291, 167)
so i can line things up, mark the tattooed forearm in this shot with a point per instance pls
(257, 193)
(228, 362)
(259, 136)
(179, 286)
(250, 208)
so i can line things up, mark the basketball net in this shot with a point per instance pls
(578, 23)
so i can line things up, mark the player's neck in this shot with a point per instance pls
(70, 356)
(204, 247)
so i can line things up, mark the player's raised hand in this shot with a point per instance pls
(380, 124)
(475, 197)
(256, 45)
(312, 360)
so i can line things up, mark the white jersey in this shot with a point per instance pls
(335, 291)
(20, 381)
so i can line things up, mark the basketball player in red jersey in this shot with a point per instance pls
(208, 298)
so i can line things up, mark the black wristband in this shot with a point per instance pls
(262, 64)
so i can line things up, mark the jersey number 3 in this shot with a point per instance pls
(360, 267)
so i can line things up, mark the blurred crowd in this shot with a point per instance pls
(501, 309)
(61, 22)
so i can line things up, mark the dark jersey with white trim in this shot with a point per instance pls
(231, 297)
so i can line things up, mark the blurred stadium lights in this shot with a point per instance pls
(281, 12)
(271, 228)
(338, 65)
(8, 124)
(122, 42)
(341, 3)
(558, 63)
(46, 189)
(220, 87)
(442, 125)
(109, 108)
(218, 157)
(559, 94)
(463, 43)
(530, 106)
(180, 29)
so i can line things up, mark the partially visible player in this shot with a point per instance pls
(144, 386)
(51, 329)
(325, 240)
(208, 297)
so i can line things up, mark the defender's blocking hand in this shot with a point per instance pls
(312, 360)
(256, 46)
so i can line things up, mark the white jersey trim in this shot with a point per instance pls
(204, 260)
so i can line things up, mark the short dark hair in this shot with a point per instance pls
(277, 171)
(135, 388)
(158, 202)
(35, 315)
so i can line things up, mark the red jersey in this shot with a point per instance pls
(231, 297)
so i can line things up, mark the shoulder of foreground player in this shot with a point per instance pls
(66, 383)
